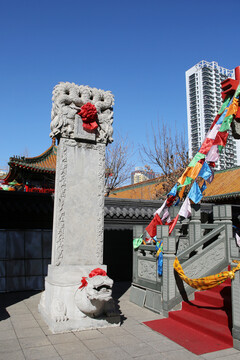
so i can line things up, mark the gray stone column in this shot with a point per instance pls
(222, 214)
(216, 214)
(235, 289)
(195, 224)
(77, 246)
(169, 283)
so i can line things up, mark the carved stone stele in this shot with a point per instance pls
(67, 101)
(77, 245)
(79, 204)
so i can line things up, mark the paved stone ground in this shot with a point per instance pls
(24, 335)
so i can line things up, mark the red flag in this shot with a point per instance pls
(172, 224)
(152, 227)
(170, 200)
(206, 146)
(221, 138)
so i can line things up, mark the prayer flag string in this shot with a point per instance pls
(201, 166)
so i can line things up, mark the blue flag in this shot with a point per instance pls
(205, 171)
(195, 193)
(204, 186)
(173, 191)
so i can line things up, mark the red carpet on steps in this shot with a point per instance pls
(203, 325)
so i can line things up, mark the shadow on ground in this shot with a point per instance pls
(119, 289)
(11, 298)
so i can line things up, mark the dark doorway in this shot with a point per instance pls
(117, 254)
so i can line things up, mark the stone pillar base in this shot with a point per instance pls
(58, 305)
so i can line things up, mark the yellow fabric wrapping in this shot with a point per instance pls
(207, 282)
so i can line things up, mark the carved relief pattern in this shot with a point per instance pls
(67, 101)
(207, 261)
(61, 199)
(100, 218)
(85, 146)
(59, 310)
(183, 244)
(165, 280)
(235, 300)
(147, 269)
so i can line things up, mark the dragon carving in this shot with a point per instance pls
(68, 98)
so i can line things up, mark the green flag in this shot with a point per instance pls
(226, 123)
(196, 158)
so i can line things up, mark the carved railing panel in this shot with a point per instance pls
(202, 250)
(206, 256)
(145, 268)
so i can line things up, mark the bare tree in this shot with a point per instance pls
(169, 153)
(118, 167)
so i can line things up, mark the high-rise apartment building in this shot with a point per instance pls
(203, 87)
(141, 174)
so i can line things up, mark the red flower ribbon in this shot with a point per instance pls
(96, 272)
(93, 273)
(84, 282)
(88, 114)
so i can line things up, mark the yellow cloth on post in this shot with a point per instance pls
(207, 282)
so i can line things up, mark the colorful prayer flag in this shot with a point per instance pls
(195, 193)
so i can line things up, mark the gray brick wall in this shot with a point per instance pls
(24, 257)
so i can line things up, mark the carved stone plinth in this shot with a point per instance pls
(70, 302)
(59, 304)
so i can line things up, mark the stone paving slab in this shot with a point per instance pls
(25, 336)
(221, 354)
(112, 354)
(13, 355)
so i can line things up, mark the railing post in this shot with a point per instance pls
(137, 232)
(169, 285)
(226, 217)
(173, 211)
(195, 225)
(222, 214)
(216, 214)
(235, 289)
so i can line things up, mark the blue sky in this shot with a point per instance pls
(138, 49)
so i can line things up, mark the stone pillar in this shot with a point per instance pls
(169, 283)
(235, 290)
(77, 245)
(222, 214)
(195, 224)
(216, 214)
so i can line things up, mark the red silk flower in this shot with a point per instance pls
(96, 272)
(88, 114)
(93, 273)
(84, 282)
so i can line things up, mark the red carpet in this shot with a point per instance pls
(203, 325)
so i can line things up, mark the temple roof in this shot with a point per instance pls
(145, 190)
(226, 185)
(44, 163)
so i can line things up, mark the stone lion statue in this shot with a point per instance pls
(94, 297)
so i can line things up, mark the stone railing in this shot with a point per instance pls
(202, 248)
(235, 289)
